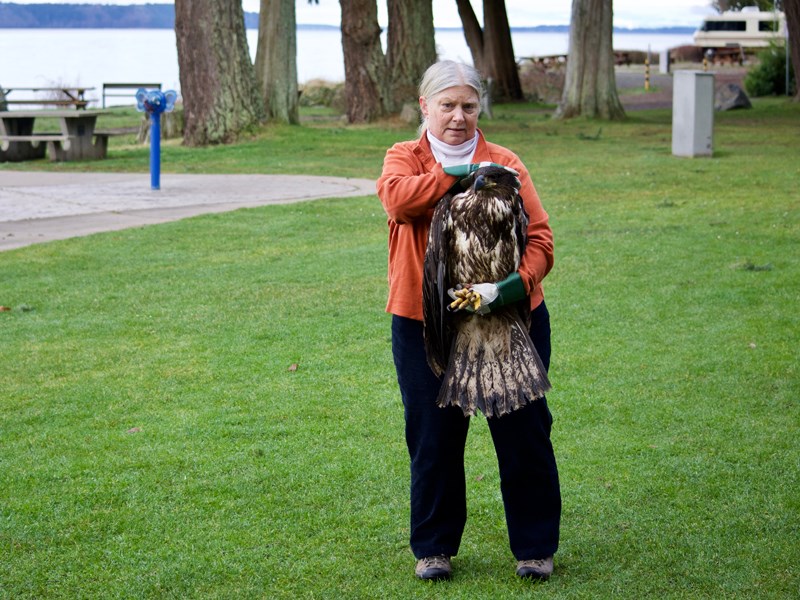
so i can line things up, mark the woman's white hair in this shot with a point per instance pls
(445, 74)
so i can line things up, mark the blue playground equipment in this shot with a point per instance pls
(155, 102)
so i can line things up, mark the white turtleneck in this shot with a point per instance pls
(453, 155)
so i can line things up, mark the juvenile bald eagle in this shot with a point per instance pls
(488, 360)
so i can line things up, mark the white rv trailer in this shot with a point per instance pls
(748, 28)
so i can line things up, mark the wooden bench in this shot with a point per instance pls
(36, 138)
(126, 86)
(35, 150)
(101, 136)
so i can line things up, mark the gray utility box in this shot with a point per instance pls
(692, 113)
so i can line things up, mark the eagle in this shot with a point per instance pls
(486, 358)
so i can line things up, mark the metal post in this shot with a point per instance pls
(155, 151)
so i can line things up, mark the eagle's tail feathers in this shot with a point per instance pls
(492, 372)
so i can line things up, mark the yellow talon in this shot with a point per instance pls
(465, 297)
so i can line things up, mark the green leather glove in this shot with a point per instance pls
(510, 290)
(465, 170)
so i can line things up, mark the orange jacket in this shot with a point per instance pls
(409, 187)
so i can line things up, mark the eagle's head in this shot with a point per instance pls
(496, 181)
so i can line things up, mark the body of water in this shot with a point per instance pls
(90, 57)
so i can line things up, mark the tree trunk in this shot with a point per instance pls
(498, 53)
(218, 85)
(364, 64)
(411, 49)
(491, 47)
(590, 88)
(276, 60)
(792, 9)
(473, 34)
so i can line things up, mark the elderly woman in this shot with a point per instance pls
(416, 174)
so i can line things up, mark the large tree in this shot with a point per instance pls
(590, 87)
(218, 85)
(411, 48)
(276, 59)
(792, 8)
(491, 47)
(365, 83)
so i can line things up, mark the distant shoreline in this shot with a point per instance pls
(162, 16)
(307, 26)
(311, 26)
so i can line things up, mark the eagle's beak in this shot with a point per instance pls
(481, 182)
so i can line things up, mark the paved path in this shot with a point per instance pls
(42, 206)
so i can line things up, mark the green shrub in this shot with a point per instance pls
(768, 77)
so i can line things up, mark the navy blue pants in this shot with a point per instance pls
(436, 438)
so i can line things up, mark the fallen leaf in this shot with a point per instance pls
(134, 430)
(5, 308)
(292, 367)
(479, 478)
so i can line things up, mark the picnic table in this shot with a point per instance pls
(76, 140)
(727, 54)
(61, 96)
(549, 61)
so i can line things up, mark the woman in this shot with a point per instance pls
(416, 174)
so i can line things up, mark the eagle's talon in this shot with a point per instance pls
(463, 299)
(476, 301)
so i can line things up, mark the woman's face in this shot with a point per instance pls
(452, 114)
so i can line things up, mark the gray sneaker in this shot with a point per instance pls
(536, 568)
(434, 568)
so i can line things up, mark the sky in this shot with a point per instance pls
(521, 13)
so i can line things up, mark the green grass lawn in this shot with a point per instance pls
(208, 408)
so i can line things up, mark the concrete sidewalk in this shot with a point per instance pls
(42, 206)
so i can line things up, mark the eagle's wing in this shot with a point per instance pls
(521, 227)
(435, 283)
